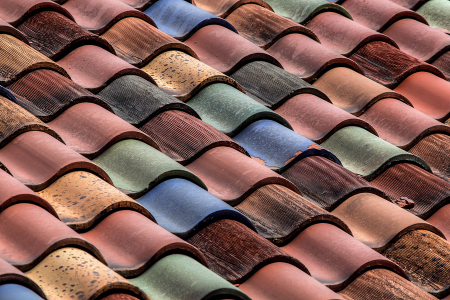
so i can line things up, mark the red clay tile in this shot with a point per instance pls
(400, 124)
(131, 243)
(7, 28)
(410, 4)
(389, 66)
(443, 63)
(307, 59)
(428, 191)
(90, 129)
(335, 258)
(15, 12)
(138, 42)
(235, 252)
(262, 26)
(353, 92)
(441, 219)
(418, 39)
(224, 50)
(98, 16)
(343, 35)
(317, 119)
(12, 192)
(284, 281)
(222, 8)
(36, 159)
(10, 274)
(54, 35)
(378, 14)
(420, 87)
(29, 233)
(46, 94)
(233, 176)
(118, 296)
(184, 138)
(94, 68)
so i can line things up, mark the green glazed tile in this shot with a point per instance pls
(301, 11)
(135, 167)
(181, 277)
(366, 154)
(437, 13)
(229, 110)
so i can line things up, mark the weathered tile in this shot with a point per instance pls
(5, 27)
(435, 12)
(222, 8)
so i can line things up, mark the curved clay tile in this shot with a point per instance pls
(225, 50)
(352, 91)
(441, 220)
(54, 35)
(302, 11)
(46, 94)
(428, 191)
(15, 120)
(81, 199)
(10, 274)
(137, 101)
(424, 257)
(12, 291)
(135, 167)
(89, 277)
(235, 252)
(378, 223)
(326, 183)
(263, 27)
(343, 35)
(183, 208)
(389, 66)
(137, 42)
(94, 68)
(36, 159)
(233, 176)
(307, 59)
(29, 233)
(316, 119)
(138, 4)
(230, 111)
(434, 150)
(386, 285)
(8, 29)
(90, 129)
(332, 265)
(118, 296)
(422, 86)
(189, 136)
(284, 281)
(17, 59)
(419, 40)
(280, 214)
(222, 8)
(436, 13)
(98, 16)
(443, 63)
(271, 84)
(400, 124)
(379, 14)
(181, 277)
(180, 19)
(171, 68)
(15, 12)
(278, 147)
(409, 4)
(13, 192)
(131, 243)
(366, 154)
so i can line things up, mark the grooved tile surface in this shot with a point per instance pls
(5, 27)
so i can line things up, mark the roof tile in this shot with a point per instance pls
(11, 291)
(222, 8)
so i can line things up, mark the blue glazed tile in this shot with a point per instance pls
(181, 19)
(15, 292)
(277, 146)
(183, 208)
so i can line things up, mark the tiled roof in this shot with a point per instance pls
(228, 149)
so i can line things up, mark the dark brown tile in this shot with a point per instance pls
(235, 252)
(5, 27)
(37, 159)
(94, 68)
(233, 176)
(222, 8)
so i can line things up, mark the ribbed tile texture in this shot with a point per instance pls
(235, 252)
(190, 136)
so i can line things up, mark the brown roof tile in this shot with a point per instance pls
(8, 29)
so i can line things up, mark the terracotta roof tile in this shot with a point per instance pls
(440, 219)
(410, 4)
(222, 8)
(8, 29)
